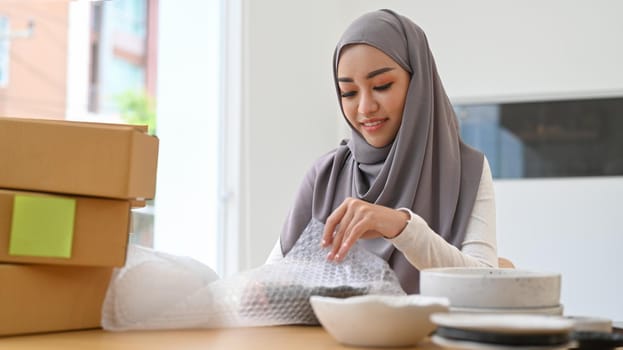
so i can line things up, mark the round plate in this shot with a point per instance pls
(507, 323)
(468, 345)
(550, 310)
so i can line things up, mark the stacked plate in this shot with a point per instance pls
(490, 290)
(509, 309)
(523, 332)
(497, 331)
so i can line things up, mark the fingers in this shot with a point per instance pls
(355, 220)
(355, 231)
(331, 224)
(342, 230)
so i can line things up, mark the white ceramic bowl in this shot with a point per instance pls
(375, 320)
(492, 288)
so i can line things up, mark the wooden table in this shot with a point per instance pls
(269, 338)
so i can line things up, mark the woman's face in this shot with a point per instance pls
(373, 88)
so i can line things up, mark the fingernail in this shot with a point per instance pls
(337, 256)
(323, 242)
(329, 256)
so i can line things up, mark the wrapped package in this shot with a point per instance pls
(160, 291)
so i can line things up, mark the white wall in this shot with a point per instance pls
(569, 226)
(289, 114)
(486, 50)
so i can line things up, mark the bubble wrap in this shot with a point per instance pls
(160, 291)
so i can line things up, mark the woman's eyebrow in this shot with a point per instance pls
(370, 75)
(374, 73)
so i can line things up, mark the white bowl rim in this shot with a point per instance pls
(397, 301)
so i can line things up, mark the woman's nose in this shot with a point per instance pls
(367, 104)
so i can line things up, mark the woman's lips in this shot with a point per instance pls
(373, 124)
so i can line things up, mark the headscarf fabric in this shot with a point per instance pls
(427, 167)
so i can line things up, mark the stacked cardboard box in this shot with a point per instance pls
(66, 190)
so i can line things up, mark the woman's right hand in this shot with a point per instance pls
(355, 219)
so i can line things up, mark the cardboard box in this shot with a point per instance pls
(99, 229)
(39, 298)
(91, 159)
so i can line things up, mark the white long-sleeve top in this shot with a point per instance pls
(424, 248)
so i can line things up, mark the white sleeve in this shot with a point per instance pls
(275, 254)
(425, 249)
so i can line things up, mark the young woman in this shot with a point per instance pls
(405, 185)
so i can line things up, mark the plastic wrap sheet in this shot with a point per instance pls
(160, 291)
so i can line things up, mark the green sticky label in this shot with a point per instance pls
(42, 226)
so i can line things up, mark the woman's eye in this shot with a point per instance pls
(348, 94)
(383, 87)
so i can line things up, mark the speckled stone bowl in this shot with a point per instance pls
(492, 288)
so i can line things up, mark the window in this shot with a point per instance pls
(138, 42)
(111, 61)
(189, 110)
(547, 139)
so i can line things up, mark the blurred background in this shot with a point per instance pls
(241, 96)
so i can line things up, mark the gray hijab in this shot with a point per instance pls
(427, 168)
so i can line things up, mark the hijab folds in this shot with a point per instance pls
(427, 167)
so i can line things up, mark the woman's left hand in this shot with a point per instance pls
(355, 219)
